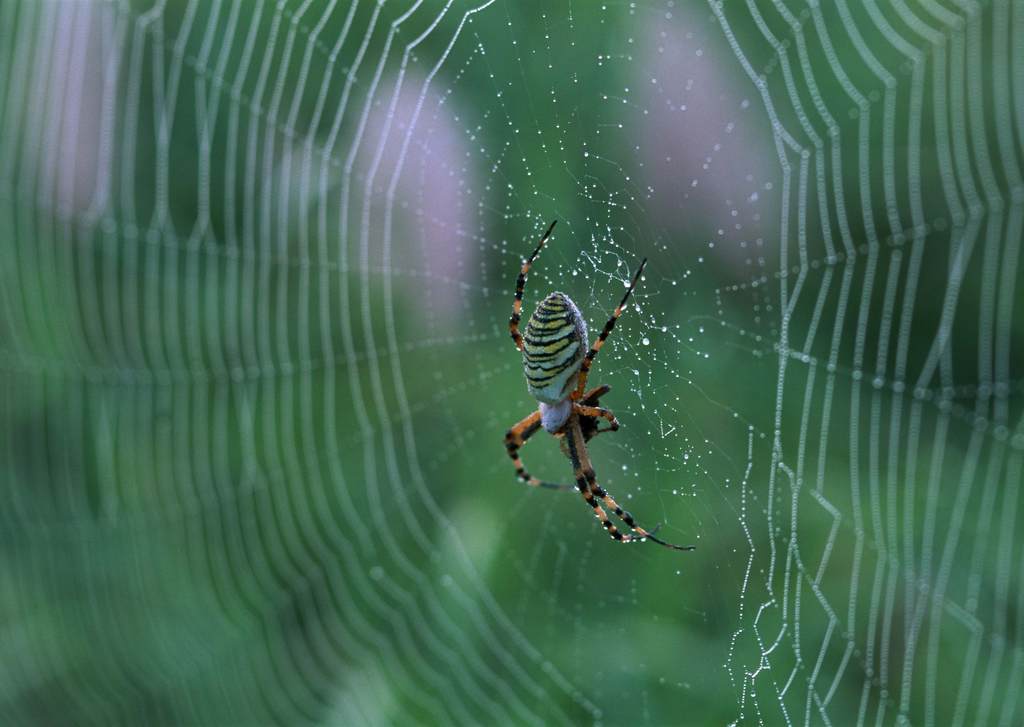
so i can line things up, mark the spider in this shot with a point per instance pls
(556, 375)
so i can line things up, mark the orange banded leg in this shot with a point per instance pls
(592, 353)
(517, 304)
(518, 435)
(625, 515)
(586, 482)
(592, 396)
(515, 438)
(574, 439)
(601, 413)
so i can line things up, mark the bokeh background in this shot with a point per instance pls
(257, 263)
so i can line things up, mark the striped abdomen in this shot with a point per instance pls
(554, 343)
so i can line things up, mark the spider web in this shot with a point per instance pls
(258, 261)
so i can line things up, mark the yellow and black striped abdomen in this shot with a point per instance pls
(554, 343)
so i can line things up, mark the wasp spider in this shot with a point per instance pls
(556, 375)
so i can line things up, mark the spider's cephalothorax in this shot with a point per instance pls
(556, 375)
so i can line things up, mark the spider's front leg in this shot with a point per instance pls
(517, 302)
(588, 360)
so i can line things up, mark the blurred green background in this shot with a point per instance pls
(257, 264)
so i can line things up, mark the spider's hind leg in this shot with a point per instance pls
(586, 482)
(515, 438)
(625, 515)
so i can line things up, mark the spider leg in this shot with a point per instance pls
(577, 453)
(591, 397)
(515, 438)
(517, 304)
(627, 518)
(586, 482)
(600, 412)
(592, 353)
